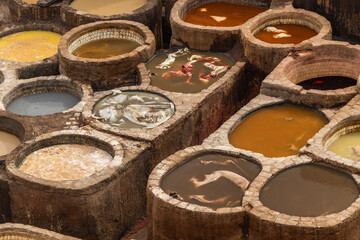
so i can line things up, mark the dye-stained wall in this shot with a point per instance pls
(344, 15)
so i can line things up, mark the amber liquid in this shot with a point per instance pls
(328, 83)
(107, 7)
(29, 46)
(31, 1)
(347, 146)
(298, 34)
(277, 131)
(222, 14)
(180, 77)
(105, 48)
(310, 191)
(65, 162)
(219, 193)
(8, 142)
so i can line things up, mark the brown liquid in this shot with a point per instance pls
(31, 1)
(221, 192)
(298, 34)
(107, 7)
(184, 75)
(222, 14)
(133, 109)
(8, 142)
(105, 48)
(310, 191)
(328, 83)
(277, 131)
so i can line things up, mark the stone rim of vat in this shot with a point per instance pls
(31, 231)
(149, 15)
(227, 219)
(93, 138)
(324, 58)
(208, 37)
(112, 69)
(46, 84)
(147, 134)
(221, 136)
(266, 56)
(20, 9)
(36, 25)
(347, 120)
(284, 223)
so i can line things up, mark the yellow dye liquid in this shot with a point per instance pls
(347, 146)
(30, 1)
(29, 46)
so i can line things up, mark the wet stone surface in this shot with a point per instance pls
(212, 180)
(133, 109)
(222, 14)
(187, 71)
(310, 191)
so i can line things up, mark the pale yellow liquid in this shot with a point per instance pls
(346, 146)
(29, 46)
(8, 142)
(30, 1)
(65, 162)
(107, 7)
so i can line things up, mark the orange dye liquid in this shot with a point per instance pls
(277, 131)
(222, 14)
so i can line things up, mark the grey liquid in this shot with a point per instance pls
(42, 103)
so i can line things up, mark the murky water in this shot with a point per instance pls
(310, 191)
(133, 109)
(187, 71)
(105, 48)
(277, 131)
(328, 83)
(222, 14)
(212, 180)
(43, 103)
(285, 34)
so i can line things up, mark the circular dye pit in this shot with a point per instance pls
(347, 146)
(328, 83)
(277, 131)
(29, 46)
(310, 191)
(8, 142)
(133, 109)
(187, 71)
(211, 180)
(285, 34)
(222, 14)
(65, 162)
(104, 43)
(105, 48)
(107, 7)
(43, 103)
